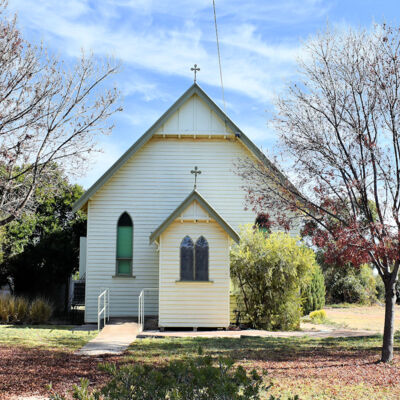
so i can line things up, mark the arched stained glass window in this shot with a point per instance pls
(201, 259)
(194, 259)
(124, 245)
(187, 259)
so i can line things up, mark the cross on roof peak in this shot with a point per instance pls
(195, 69)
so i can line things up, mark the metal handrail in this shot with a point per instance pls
(141, 308)
(106, 307)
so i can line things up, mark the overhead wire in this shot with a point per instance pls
(219, 56)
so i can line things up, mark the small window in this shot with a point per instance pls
(201, 259)
(187, 259)
(124, 245)
(263, 223)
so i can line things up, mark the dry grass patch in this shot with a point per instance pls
(361, 317)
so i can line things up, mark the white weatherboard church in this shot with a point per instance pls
(155, 222)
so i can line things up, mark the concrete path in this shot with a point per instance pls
(112, 339)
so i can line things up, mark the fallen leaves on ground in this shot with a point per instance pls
(347, 367)
(27, 371)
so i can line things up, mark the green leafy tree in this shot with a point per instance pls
(40, 251)
(269, 271)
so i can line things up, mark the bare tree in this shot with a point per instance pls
(339, 130)
(48, 114)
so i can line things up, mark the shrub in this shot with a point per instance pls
(20, 310)
(201, 378)
(13, 309)
(268, 271)
(313, 292)
(349, 284)
(318, 316)
(380, 289)
(40, 311)
(4, 310)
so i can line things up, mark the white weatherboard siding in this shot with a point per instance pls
(194, 304)
(194, 117)
(194, 211)
(149, 187)
(82, 257)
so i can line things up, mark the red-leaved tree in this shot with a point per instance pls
(339, 127)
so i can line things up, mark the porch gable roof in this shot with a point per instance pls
(195, 196)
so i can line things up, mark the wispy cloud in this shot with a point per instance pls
(100, 162)
(157, 41)
(137, 33)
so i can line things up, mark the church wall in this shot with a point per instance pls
(194, 117)
(149, 187)
(194, 304)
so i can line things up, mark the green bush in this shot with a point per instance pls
(268, 271)
(313, 292)
(201, 378)
(318, 316)
(349, 284)
(380, 289)
(40, 311)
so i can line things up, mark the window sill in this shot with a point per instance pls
(124, 276)
(194, 282)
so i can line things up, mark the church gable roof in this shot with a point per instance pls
(158, 127)
(195, 196)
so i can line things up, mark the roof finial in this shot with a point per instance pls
(196, 172)
(195, 70)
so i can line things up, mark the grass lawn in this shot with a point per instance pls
(312, 368)
(361, 317)
(44, 336)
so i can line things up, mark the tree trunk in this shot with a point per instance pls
(388, 333)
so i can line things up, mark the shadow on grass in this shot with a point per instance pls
(260, 349)
(49, 327)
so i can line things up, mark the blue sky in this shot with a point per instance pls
(158, 41)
